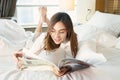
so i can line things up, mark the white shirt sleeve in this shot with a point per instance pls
(36, 35)
(38, 44)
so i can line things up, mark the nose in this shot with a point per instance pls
(57, 35)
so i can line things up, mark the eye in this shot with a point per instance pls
(62, 31)
(52, 30)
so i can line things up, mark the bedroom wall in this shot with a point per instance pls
(85, 9)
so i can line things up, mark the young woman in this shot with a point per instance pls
(60, 40)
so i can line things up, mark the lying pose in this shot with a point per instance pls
(59, 35)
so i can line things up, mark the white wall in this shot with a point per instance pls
(82, 11)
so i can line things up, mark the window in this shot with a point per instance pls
(27, 12)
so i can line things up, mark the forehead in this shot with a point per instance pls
(59, 26)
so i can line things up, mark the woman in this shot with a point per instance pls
(60, 37)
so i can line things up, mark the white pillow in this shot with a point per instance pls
(85, 32)
(11, 30)
(105, 39)
(117, 43)
(88, 54)
(106, 21)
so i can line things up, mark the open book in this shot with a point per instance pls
(64, 66)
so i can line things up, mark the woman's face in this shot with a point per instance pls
(58, 33)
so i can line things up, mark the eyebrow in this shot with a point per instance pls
(60, 29)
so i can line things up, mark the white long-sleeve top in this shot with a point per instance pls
(64, 51)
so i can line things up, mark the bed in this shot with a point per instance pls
(99, 45)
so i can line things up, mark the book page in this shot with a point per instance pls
(37, 62)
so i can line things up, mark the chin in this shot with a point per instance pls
(57, 42)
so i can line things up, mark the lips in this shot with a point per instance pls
(57, 40)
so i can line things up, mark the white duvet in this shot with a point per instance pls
(99, 48)
(12, 37)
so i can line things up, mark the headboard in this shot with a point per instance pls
(108, 6)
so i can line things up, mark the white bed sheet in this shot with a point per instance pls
(112, 66)
(105, 71)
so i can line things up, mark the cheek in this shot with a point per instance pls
(51, 35)
(64, 36)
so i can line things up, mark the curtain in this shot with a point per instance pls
(113, 6)
(7, 8)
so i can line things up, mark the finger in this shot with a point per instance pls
(16, 57)
(18, 54)
(19, 64)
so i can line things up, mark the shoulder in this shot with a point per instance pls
(42, 36)
(40, 39)
(65, 44)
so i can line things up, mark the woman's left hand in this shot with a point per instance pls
(18, 58)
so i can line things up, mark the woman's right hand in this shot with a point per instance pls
(62, 71)
(17, 56)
